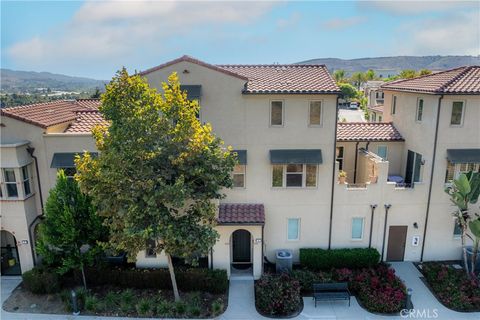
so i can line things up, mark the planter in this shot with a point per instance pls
(470, 257)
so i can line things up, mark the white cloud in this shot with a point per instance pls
(289, 22)
(343, 23)
(417, 7)
(115, 32)
(451, 34)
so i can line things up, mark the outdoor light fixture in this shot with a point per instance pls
(415, 225)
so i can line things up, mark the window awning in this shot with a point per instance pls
(241, 156)
(463, 155)
(296, 156)
(66, 160)
(193, 91)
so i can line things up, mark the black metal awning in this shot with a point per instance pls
(296, 156)
(66, 159)
(463, 155)
(193, 91)
(241, 156)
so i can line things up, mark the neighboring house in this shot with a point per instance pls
(375, 100)
(375, 113)
(281, 120)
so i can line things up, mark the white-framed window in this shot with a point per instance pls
(357, 228)
(458, 112)
(419, 114)
(293, 229)
(239, 176)
(150, 251)
(455, 169)
(374, 117)
(382, 152)
(340, 156)
(10, 183)
(379, 118)
(394, 105)
(294, 175)
(315, 114)
(457, 230)
(26, 181)
(276, 113)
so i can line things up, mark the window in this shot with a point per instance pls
(69, 172)
(379, 118)
(394, 105)
(454, 170)
(293, 229)
(457, 113)
(26, 181)
(374, 117)
(357, 228)
(457, 230)
(276, 113)
(150, 251)
(294, 175)
(419, 110)
(239, 176)
(10, 183)
(340, 157)
(382, 152)
(315, 118)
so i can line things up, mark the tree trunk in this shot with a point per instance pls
(172, 277)
(465, 260)
(474, 256)
(83, 277)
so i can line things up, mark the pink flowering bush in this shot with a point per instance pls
(277, 295)
(452, 287)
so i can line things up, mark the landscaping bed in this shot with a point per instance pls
(124, 292)
(452, 287)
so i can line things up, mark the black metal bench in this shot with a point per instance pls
(331, 291)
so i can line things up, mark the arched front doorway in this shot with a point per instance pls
(241, 250)
(10, 264)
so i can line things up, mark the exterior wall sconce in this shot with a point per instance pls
(415, 225)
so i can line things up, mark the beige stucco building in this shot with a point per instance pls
(281, 120)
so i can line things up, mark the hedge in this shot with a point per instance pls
(320, 259)
(278, 295)
(40, 281)
(213, 281)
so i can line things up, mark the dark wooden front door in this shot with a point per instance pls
(241, 247)
(397, 237)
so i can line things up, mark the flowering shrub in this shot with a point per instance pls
(277, 295)
(452, 287)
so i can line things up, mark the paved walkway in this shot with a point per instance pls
(241, 304)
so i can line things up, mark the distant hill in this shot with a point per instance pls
(29, 82)
(389, 66)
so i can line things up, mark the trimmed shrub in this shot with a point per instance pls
(356, 258)
(213, 281)
(306, 279)
(40, 281)
(278, 295)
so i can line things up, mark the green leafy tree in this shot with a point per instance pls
(370, 75)
(158, 171)
(424, 72)
(357, 79)
(69, 235)
(97, 94)
(464, 191)
(339, 75)
(348, 91)
(408, 74)
(475, 230)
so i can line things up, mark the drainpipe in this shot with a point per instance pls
(333, 175)
(30, 151)
(431, 177)
(356, 160)
(211, 258)
(366, 146)
(387, 207)
(372, 207)
(262, 263)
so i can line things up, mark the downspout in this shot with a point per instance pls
(263, 244)
(431, 177)
(372, 207)
(211, 258)
(333, 175)
(387, 206)
(356, 160)
(30, 151)
(366, 146)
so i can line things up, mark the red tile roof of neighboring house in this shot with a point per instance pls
(48, 114)
(241, 213)
(85, 122)
(377, 108)
(463, 80)
(289, 78)
(367, 131)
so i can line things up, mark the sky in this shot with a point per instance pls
(96, 38)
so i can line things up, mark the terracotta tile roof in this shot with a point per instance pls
(367, 131)
(85, 121)
(241, 213)
(463, 80)
(289, 78)
(377, 108)
(50, 113)
(275, 78)
(191, 60)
